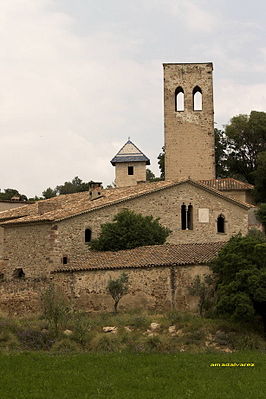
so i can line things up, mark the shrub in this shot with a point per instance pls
(105, 343)
(66, 345)
(56, 308)
(8, 341)
(35, 340)
(130, 230)
(140, 322)
(81, 333)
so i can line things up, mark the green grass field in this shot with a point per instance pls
(140, 376)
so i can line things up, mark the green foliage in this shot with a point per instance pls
(69, 187)
(8, 341)
(11, 192)
(130, 230)
(161, 163)
(49, 193)
(118, 288)
(220, 153)
(56, 308)
(150, 176)
(75, 186)
(260, 177)
(241, 271)
(246, 138)
(203, 288)
(66, 345)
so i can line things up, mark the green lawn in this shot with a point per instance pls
(138, 376)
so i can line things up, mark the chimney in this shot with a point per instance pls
(95, 190)
(45, 206)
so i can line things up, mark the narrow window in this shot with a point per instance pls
(186, 217)
(190, 217)
(220, 224)
(179, 99)
(197, 99)
(183, 217)
(2, 276)
(130, 170)
(65, 260)
(87, 235)
(19, 273)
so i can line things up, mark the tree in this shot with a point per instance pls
(9, 193)
(261, 214)
(75, 186)
(69, 187)
(220, 153)
(246, 138)
(240, 269)
(49, 193)
(150, 176)
(203, 288)
(118, 288)
(161, 163)
(130, 230)
(260, 178)
(56, 308)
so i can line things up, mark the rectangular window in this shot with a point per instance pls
(130, 170)
(65, 260)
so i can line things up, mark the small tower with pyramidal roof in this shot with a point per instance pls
(130, 165)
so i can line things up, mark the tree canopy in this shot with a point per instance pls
(241, 278)
(130, 230)
(69, 187)
(9, 193)
(245, 138)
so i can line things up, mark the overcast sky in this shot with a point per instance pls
(78, 77)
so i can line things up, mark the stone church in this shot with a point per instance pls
(48, 240)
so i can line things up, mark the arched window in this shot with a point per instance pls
(186, 217)
(183, 217)
(221, 224)
(179, 99)
(87, 235)
(19, 273)
(190, 217)
(197, 99)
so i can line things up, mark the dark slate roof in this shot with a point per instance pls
(124, 156)
(148, 256)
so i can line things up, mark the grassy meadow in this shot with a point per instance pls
(126, 375)
(148, 355)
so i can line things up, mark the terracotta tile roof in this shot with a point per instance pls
(143, 257)
(227, 184)
(70, 205)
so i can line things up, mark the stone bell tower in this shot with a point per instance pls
(188, 121)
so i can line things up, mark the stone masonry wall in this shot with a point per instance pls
(122, 179)
(28, 247)
(189, 138)
(165, 204)
(153, 288)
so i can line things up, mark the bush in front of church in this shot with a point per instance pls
(130, 230)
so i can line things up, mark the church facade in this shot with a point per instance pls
(51, 237)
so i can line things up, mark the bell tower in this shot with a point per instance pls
(188, 121)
